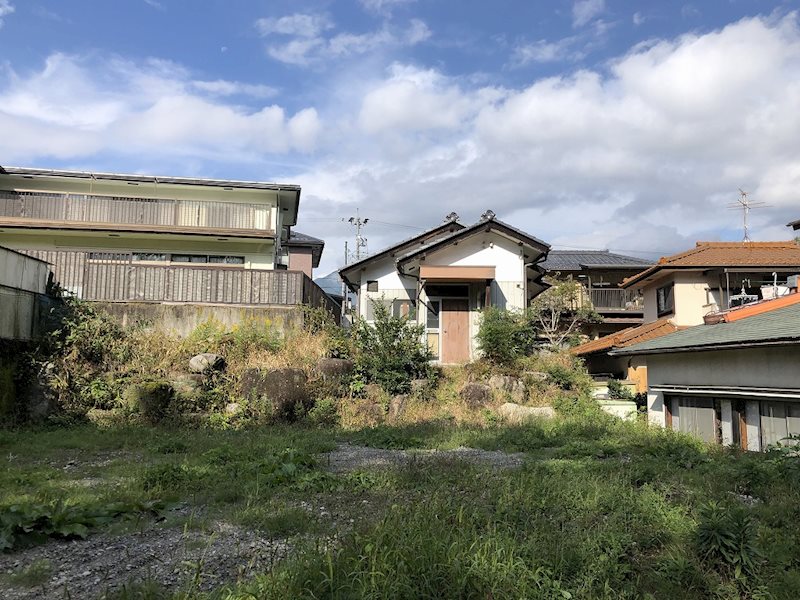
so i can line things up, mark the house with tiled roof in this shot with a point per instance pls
(443, 277)
(734, 381)
(711, 277)
(685, 289)
(600, 273)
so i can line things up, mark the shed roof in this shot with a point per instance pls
(726, 254)
(627, 337)
(308, 241)
(578, 260)
(777, 327)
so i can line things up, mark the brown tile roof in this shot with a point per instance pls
(627, 337)
(727, 254)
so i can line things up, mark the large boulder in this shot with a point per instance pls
(186, 384)
(335, 368)
(206, 362)
(476, 395)
(515, 413)
(284, 391)
(397, 406)
(508, 386)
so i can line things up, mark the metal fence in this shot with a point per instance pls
(615, 298)
(86, 208)
(115, 277)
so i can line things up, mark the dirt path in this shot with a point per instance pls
(171, 557)
(349, 457)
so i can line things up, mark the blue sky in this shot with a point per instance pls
(589, 123)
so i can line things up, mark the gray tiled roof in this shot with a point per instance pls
(303, 239)
(778, 326)
(577, 260)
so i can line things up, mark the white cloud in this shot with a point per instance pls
(301, 25)
(383, 7)
(543, 51)
(640, 157)
(6, 8)
(222, 87)
(583, 11)
(638, 18)
(155, 4)
(69, 109)
(301, 39)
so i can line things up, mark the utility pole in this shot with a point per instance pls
(361, 242)
(744, 204)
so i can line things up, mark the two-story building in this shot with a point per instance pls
(688, 288)
(443, 277)
(140, 238)
(601, 272)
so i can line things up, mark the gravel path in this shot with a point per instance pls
(349, 457)
(171, 557)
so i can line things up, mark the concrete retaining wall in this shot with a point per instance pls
(182, 319)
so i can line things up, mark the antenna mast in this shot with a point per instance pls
(744, 204)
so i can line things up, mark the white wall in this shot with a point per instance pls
(691, 294)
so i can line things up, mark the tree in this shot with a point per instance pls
(559, 312)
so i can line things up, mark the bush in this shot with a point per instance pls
(151, 399)
(618, 391)
(325, 413)
(504, 336)
(390, 352)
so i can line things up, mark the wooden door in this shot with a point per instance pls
(455, 331)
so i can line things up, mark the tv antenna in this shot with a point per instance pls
(744, 204)
(361, 242)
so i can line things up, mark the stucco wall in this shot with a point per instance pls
(182, 319)
(695, 295)
(301, 259)
(767, 367)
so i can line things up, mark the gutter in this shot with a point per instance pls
(707, 390)
(790, 341)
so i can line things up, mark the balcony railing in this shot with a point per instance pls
(115, 277)
(158, 213)
(615, 299)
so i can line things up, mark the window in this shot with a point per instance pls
(202, 259)
(372, 286)
(404, 308)
(189, 258)
(665, 299)
(109, 256)
(779, 420)
(152, 256)
(226, 260)
(434, 307)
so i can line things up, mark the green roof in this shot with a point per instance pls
(777, 327)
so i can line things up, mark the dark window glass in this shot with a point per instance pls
(665, 299)
(109, 256)
(449, 291)
(372, 286)
(189, 258)
(434, 307)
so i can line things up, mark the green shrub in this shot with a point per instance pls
(618, 391)
(151, 399)
(390, 352)
(324, 413)
(503, 336)
(726, 537)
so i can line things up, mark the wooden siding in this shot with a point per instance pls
(118, 211)
(115, 277)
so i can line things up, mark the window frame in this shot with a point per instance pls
(669, 294)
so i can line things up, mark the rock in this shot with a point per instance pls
(397, 406)
(510, 386)
(515, 413)
(187, 383)
(283, 390)
(373, 391)
(232, 408)
(206, 362)
(535, 375)
(476, 395)
(332, 368)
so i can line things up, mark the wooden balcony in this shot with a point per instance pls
(116, 277)
(117, 213)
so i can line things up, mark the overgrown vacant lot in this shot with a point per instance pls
(569, 508)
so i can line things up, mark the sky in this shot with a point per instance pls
(602, 124)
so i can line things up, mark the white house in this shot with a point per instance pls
(443, 277)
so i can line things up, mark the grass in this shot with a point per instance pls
(32, 575)
(600, 509)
